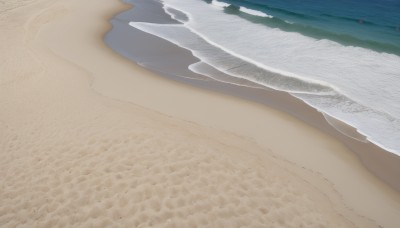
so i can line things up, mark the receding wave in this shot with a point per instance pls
(230, 64)
(203, 68)
(218, 64)
(355, 85)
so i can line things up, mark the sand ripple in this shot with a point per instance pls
(72, 158)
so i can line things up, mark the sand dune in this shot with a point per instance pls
(70, 157)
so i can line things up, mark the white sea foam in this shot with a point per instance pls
(365, 83)
(220, 4)
(231, 64)
(203, 68)
(254, 12)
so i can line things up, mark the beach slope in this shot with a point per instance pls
(88, 139)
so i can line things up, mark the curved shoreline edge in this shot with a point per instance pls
(89, 138)
(128, 42)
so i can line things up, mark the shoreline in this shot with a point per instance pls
(92, 139)
(332, 100)
(383, 164)
(380, 165)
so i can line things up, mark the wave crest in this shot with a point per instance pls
(254, 12)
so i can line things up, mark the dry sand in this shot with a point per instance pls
(72, 157)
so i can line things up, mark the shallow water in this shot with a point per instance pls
(352, 83)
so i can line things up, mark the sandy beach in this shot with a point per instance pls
(90, 139)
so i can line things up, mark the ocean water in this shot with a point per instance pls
(373, 24)
(340, 56)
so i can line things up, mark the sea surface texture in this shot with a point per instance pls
(342, 57)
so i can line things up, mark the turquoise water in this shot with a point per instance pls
(373, 24)
(340, 57)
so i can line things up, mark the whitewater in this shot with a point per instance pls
(353, 84)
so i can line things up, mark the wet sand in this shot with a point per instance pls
(91, 139)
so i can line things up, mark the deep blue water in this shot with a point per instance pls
(373, 24)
